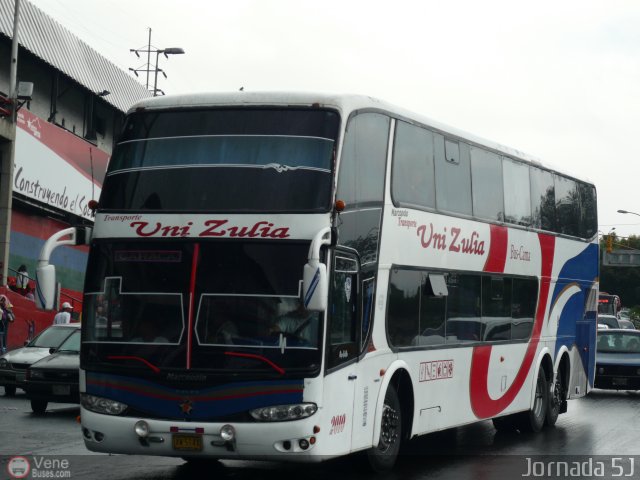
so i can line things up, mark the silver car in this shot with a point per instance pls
(14, 364)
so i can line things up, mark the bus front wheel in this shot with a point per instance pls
(383, 457)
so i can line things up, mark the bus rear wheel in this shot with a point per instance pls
(9, 390)
(383, 457)
(533, 420)
(556, 397)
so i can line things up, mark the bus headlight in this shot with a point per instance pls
(4, 363)
(283, 413)
(102, 405)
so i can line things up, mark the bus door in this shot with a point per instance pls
(342, 349)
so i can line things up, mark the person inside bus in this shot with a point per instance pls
(296, 321)
(146, 332)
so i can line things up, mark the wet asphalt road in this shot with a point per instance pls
(596, 429)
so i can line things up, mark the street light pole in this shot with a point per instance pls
(166, 52)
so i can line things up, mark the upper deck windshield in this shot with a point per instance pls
(230, 160)
(245, 312)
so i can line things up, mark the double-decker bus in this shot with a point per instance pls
(433, 279)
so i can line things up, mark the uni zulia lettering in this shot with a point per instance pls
(214, 228)
(457, 242)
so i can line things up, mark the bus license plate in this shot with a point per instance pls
(61, 389)
(187, 442)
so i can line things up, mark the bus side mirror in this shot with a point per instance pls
(46, 291)
(314, 286)
(46, 287)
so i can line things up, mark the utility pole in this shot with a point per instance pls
(7, 152)
(148, 59)
(147, 67)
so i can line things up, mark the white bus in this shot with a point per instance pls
(301, 276)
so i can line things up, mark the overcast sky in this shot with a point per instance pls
(559, 80)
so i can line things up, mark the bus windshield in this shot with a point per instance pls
(231, 160)
(245, 304)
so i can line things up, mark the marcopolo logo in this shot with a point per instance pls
(18, 467)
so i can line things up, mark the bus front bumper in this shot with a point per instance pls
(277, 441)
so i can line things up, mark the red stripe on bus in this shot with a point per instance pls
(497, 249)
(192, 297)
(482, 404)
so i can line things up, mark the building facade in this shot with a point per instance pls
(61, 146)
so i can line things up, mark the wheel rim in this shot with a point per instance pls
(538, 404)
(388, 428)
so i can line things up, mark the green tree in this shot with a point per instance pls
(621, 281)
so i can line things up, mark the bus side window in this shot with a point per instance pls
(403, 316)
(463, 309)
(496, 308)
(433, 304)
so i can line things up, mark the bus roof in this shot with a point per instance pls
(344, 103)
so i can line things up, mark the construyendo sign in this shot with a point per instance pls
(55, 167)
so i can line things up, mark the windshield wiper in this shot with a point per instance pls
(138, 359)
(277, 368)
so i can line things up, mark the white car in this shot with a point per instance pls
(610, 321)
(14, 364)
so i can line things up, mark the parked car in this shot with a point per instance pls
(610, 321)
(14, 364)
(618, 359)
(55, 378)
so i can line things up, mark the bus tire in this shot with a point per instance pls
(383, 457)
(556, 397)
(9, 390)
(534, 419)
(39, 406)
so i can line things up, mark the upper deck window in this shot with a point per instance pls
(224, 160)
(364, 155)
